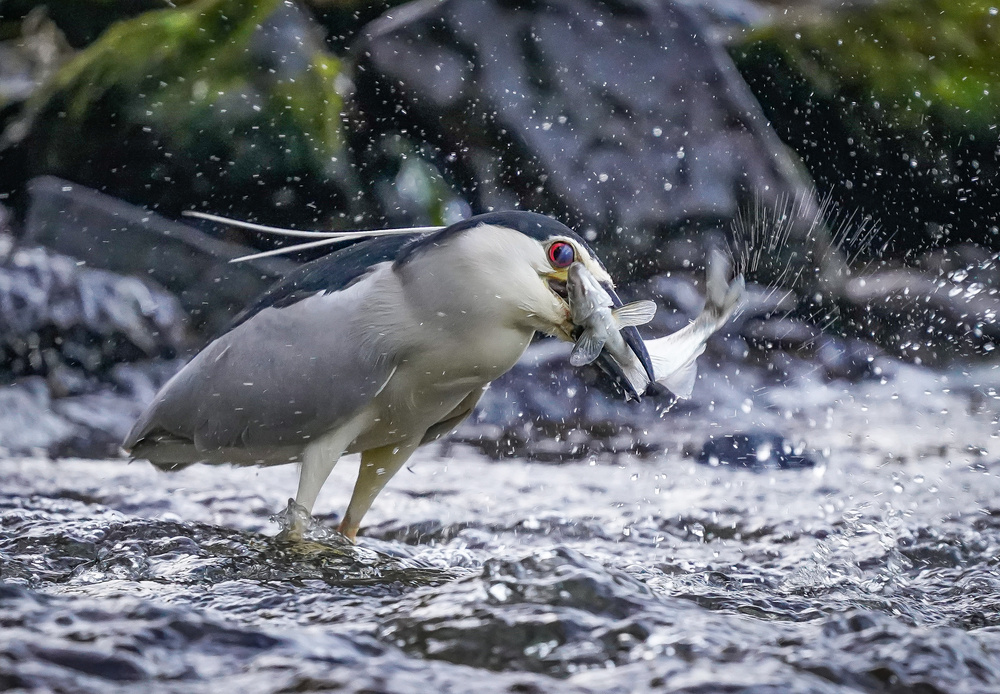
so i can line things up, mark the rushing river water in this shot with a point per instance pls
(875, 571)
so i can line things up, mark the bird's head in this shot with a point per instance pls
(519, 263)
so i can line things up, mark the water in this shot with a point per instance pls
(876, 571)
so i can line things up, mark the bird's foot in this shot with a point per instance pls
(294, 522)
(298, 525)
(348, 530)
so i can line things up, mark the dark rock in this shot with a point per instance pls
(963, 262)
(922, 318)
(756, 450)
(781, 333)
(109, 233)
(657, 134)
(850, 360)
(82, 351)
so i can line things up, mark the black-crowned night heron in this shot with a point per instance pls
(374, 349)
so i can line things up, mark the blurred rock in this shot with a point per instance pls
(965, 263)
(54, 312)
(756, 450)
(850, 360)
(34, 420)
(782, 333)
(81, 353)
(657, 135)
(922, 318)
(109, 233)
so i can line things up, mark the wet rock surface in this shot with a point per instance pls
(56, 313)
(872, 572)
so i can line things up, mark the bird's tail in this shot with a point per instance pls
(674, 357)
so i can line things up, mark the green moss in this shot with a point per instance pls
(916, 58)
(159, 48)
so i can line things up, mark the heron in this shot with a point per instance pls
(375, 349)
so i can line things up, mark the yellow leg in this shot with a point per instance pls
(378, 465)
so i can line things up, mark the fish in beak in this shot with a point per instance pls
(604, 331)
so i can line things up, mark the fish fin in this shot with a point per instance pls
(737, 288)
(721, 297)
(716, 273)
(635, 313)
(588, 348)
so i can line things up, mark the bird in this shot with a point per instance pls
(376, 348)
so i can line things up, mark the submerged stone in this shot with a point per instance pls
(756, 450)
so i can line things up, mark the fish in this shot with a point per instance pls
(600, 321)
(675, 356)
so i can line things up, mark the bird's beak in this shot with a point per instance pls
(557, 285)
(635, 343)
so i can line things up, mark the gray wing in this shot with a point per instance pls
(280, 379)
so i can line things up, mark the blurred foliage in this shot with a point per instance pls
(894, 108)
(81, 21)
(231, 102)
(916, 58)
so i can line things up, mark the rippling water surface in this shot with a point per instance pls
(876, 571)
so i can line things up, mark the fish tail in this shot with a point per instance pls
(675, 356)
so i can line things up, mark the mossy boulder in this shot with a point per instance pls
(895, 108)
(233, 104)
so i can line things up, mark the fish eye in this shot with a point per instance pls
(561, 254)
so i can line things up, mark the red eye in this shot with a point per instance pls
(561, 254)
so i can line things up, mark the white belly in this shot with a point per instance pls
(421, 393)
